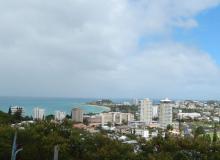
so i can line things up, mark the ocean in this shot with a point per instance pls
(50, 104)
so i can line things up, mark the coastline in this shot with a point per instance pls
(50, 105)
(103, 107)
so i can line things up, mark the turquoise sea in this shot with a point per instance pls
(49, 104)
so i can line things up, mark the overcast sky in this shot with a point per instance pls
(112, 48)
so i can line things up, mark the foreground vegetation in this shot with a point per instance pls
(38, 141)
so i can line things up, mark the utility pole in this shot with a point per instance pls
(15, 149)
(56, 152)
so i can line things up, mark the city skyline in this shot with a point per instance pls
(113, 49)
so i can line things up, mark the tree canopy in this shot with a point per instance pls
(38, 141)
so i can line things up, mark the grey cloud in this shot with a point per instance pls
(88, 48)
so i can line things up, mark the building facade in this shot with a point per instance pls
(93, 119)
(38, 113)
(155, 111)
(146, 111)
(59, 116)
(77, 115)
(116, 117)
(14, 109)
(165, 113)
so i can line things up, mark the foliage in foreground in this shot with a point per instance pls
(38, 141)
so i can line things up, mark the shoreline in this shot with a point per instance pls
(50, 105)
(104, 107)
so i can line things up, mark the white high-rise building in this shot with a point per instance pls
(146, 111)
(218, 111)
(38, 113)
(135, 102)
(165, 113)
(155, 111)
(77, 115)
(59, 116)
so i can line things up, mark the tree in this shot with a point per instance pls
(68, 116)
(199, 131)
(109, 124)
(215, 136)
(169, 127)
(124, 122)
(49, 117)
(86, 121)
(180, 156)
(9, 111)
(5, 118)
(17, 117)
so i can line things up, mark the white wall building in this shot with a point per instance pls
(135, 102)
(146, 111)
(155, 111)
(38, 113)
(116, 117)
(59, 116)
(218, 111)
(142, 132)
(14, 109)
(126, 103)
(216, 119)
(165, 113)
(190, 115)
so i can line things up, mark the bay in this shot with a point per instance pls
(50, 104)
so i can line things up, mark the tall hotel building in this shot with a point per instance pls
(146, 111)
(77, 115)
(59, 116)
(165, 113)
(38, 114)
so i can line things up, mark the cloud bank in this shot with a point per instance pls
(114, 48)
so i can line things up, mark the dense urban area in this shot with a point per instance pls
(134, 130)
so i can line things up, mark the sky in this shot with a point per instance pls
(110, 49)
